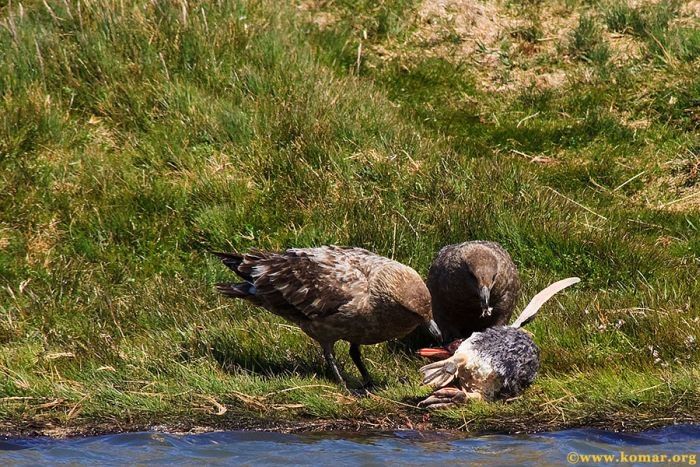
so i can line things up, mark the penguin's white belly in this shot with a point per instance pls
(475, 372)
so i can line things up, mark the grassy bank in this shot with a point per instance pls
(134, 138)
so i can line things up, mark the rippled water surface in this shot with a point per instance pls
(406, 447)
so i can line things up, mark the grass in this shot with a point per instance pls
(586, 41)
(135, 138)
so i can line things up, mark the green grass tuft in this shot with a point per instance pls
(587, 43)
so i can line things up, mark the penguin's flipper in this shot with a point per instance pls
(538, 300)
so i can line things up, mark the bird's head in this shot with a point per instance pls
(481, 275)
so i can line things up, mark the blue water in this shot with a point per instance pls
(405, 447)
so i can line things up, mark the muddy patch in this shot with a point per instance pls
(394, 421)
(317, 16)
(511, 47)
(678, 190)
(469, 25)
(685, 182)
(508, 48)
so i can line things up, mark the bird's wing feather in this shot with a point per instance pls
(314, 281)
(538, 300)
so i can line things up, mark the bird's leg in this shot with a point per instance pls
(330, 359)
(357, 359)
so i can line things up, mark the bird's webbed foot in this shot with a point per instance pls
(448, 397)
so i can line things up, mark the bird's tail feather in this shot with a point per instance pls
(440, 373)
(242, 290)
(233, 261)
(538, 300)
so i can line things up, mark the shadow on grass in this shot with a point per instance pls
(233, 355)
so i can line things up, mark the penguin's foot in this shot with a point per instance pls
(448, 397)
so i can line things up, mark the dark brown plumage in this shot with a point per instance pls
(474, 285)
(333, 294)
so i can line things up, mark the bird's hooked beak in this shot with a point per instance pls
(484, 295)
(435, 330)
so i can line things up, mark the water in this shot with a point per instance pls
(405, 447)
